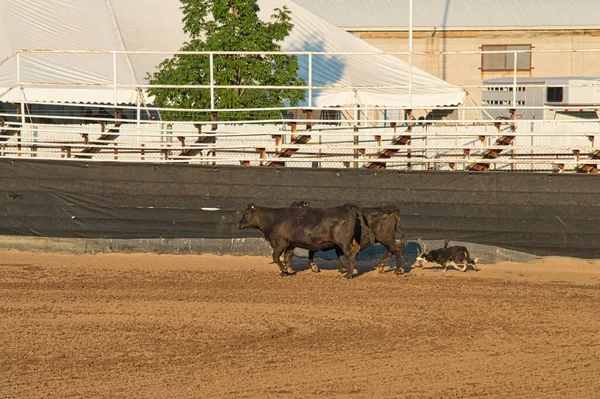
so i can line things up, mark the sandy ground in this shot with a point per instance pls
(183, 326)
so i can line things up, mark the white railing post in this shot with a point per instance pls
(114, 53)
(21, 94)
(19, 68)
(515, 79)
(410, 51)
(212, 81)
(310, 64)
(139, 108)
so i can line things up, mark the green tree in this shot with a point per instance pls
(229, 25)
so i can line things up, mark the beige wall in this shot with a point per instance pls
(465, 69)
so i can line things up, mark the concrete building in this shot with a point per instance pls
(441, 26)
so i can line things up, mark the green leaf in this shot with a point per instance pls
(229, 25)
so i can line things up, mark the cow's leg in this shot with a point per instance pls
(383, 261)
(279, 249)
(287, 260)
(351, 251)
(444, 266)
(392, 248)
(311, 262)
(399, 256)
(397, 251)
(340, 256)
(287, 257)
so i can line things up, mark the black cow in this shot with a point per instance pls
(384, 222)
(457, 255)
(309, 228)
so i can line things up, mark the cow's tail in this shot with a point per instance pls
(396, 215)
(404, 240)
(364, 229)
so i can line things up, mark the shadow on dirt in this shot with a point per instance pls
(435, 266)
(366, 261)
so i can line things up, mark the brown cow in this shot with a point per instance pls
(384, 222)
(309, 228)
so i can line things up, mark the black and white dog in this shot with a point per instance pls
(457, 255)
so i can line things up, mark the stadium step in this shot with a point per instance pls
(6, 133)
(288, 152)
(193, 151)
(502, 140)
(390, 152)
(491, 154)
(590, 168)
(105, 139)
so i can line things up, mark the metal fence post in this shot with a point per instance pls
(212, 81)
(515, 54)
(114, 53)
(310, 80)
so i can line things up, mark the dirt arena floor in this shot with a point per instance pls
(183, 326)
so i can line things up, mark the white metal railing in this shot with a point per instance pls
(345, 141)
(310, 87)
(449, 147)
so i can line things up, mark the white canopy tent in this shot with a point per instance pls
(155, 25)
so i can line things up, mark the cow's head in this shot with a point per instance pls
(249, 218)
(299, 204)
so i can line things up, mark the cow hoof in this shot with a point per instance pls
(315, 269)
(283, 274)
(348, 276)
(399, 271)
(380, 269)
(343, 271)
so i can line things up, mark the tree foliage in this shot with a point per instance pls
(229, 25)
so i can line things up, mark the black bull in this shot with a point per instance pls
(314, 229)
(384, 222)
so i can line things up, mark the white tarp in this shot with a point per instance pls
(155, 25)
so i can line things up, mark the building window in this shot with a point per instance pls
(554, 94)
(505, 61)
